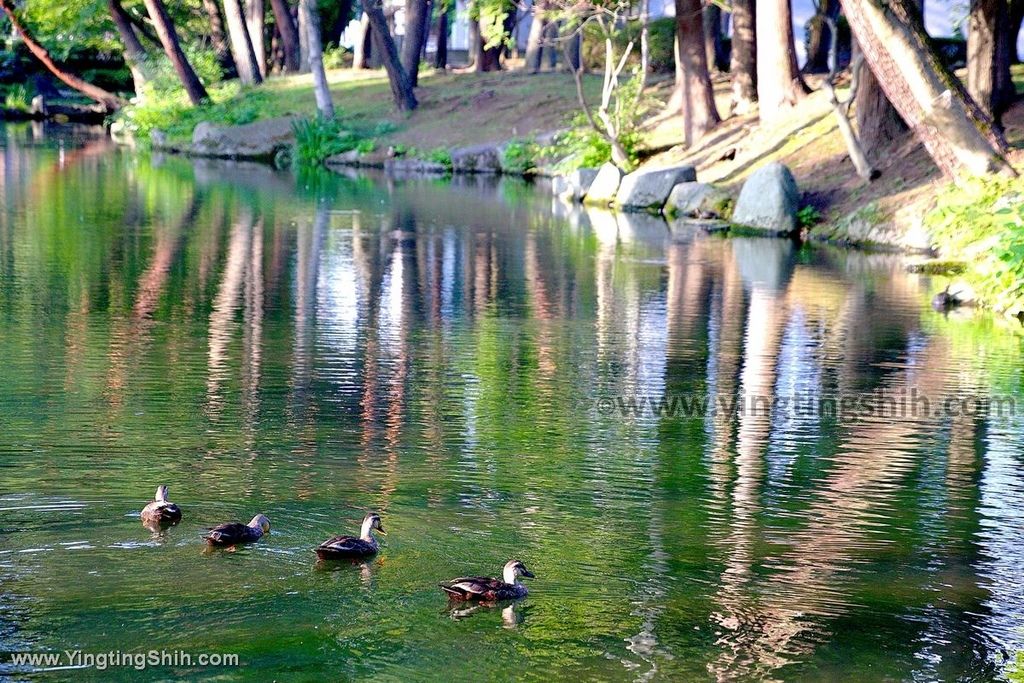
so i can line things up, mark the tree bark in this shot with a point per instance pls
(172, 47)
(289, 33)
(473, 43)
(255, 21)
(108, 99)
(134, 53)
(954, 130)
(441, 56)
(535, 39)
(363, 44)
(645, 41)
(779, 85)
(384, 45)
(879, 125)
(693, 82)
(412, 45)
(324, 105)
(988, 64)
(241, 44)
(713, 49)
(819, 37)
(743, 61)
(219, 40)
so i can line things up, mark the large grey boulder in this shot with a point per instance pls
(769, 200)
(698, 200)
(648, 189)
(476, 159)
(574, 187)
(259, 140)
(605, 185)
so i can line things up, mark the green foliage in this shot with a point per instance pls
(519, 156)
(172, 113)
(808, 216)
(1015, 669)
(335, 57)
(661, 34)
(441, 156)
(19, 97)
(164, 79)
(318, 138)
(982, 221)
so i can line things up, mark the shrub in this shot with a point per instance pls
(519, 157)
(19, 97)
(440, 156)
(318, 138)
(808, 216)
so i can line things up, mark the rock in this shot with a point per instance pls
(769, 200)
(688, 229)
(648, 189)
(38, 105)
(476, 159)
(698, 200)
(412, 166)
(259, 140)
(574, 187)
(604, 186)
(349, 158)
(158, 138)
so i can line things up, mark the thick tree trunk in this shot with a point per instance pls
(485, 58)
(473, 43)
(714, 52)
(324, 105)
(743, 61)
(693, 82)
(535, 39)
(255, 21)
(363, 44)
(108, 99)
(779, 85)
(219, 39)
(988, 64)
(819, 37)
(412, 44)
(172, 47)
(955, 131)
(401, 88)
(289, 33)
(241, 44)
(134, 53)
(879, 125)
(441, 56)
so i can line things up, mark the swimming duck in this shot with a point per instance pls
(487, 589)
(344, 547)
(161, 512)
(233, 533)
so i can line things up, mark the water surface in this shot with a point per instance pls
(446, 352)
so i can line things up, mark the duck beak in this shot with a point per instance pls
(528, 574)
(380, 530)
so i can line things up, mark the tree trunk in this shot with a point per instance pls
(289, 33)
(363, 44)
(324, 105)
(879, 125)
(219, 40)
(340, 22)
(384, 45)
(693, 82)
(473, 43)
(819, 37)
(108, 99)
(955, 131)
(645, 41)
(713, 50)
(412, 45)
(573, 48)
(535, 39)
(779, 85)
(134, 53)
(441, 56)
(255, 21)
(743, 61)
(988, 64)
(172, 46)
(241, 44)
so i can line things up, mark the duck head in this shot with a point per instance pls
(260, 522)
(513, 570)
(371, 522)
(161, 493)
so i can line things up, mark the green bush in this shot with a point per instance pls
(808, 216)
(441, 156)
(318, 138)
(19, 97)
(519, 157)
(982, 221)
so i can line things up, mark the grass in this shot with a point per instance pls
(455, 109)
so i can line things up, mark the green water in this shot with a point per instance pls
(443, 352)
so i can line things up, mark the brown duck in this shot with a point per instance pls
(486, 589)
(234, 533)
(161, 512)
(350, 547)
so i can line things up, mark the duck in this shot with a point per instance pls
(350, 547)
(233, 533)
(161, 512)
(486, 589)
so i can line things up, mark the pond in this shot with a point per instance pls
(500, 377)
